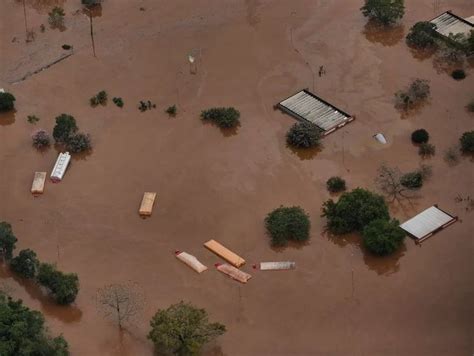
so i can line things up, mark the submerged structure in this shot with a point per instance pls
(305, 105)
(427, 223)
(448, 23)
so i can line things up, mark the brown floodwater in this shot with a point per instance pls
(250, 54)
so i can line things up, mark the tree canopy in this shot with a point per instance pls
(183, 329)
(25, 264)
(467, 142)
(387, 12)
(7, 101)
(304, 135)
(287, 223)
(354, 210)
(64, 128)
(7, 240)
(422, 35)
(63, 286)
(22, 332)
(222, 117)
(382, 237)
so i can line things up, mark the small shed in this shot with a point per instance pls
(448, 22)
(224, 253)
(60, 167)
(305, 105)
(427, 223)
(146, 206)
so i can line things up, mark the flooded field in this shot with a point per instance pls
(250, 54)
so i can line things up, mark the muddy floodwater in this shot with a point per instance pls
(250, 54)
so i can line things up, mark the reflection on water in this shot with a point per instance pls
(386, 36)
(67, 314)
(7, 118)
(422, 54)
(305, 153)
(383, 265)
(232, 131)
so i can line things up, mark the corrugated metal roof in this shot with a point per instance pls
(447, 23)
(426, 222)
(308, 106)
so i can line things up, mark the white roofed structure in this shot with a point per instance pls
(426, 223)
(448, 22)
(304, 105)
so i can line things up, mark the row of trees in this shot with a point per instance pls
(63, 287)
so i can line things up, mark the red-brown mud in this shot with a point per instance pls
(250, 54)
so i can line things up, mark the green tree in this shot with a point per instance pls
(78, 142)
(7, 240)
(422, 35)
(56, 17)
(304, 135)
(222, 117)
(65, 127)
(336, 184)
(467, 142)
(383, 237)
(354, 210)
(183, 329)
(387, 12)
(22, 332)
(287, 223)
(7, 101)
(63, 286)
(420, 136)
(25, 264)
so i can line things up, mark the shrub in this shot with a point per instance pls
(63, 286)
(470, 106)
(467, 142)
(40, 138)
(287, 223)
(24, 333)
(78, 142)
(222, 117)
(118, 102)
(99, 98)
(426, 149)
(386, 12)
(90, 3)
(7, 101)
(458, 74)
(451, 156)
(418, 91)
(65, 127)
(412, 180)
(383, 237)
(354, 210)
(66, 47)
(56, 17)
(182, 329)
(32, 119)
(420, 136)
(25, 264)
(304, 135)
(7, 240)
(422, 35)
(336, 184)
(172, 110)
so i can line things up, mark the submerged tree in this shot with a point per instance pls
(7, 240)
(304, 135)
(121, 302)
(56, 17)
(387, 12)
(7, 101)
(418, 91)
(422, 35)
(183, 329)
(383, 237)
(287, 223)
(63, 286)
(25, 264)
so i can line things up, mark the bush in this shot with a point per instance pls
(426, 149)
(63, 286)
(222, 117)
(458, 74)
(24, 333)
(451, 156)
(354, 210)
(412, 180)
(99, 98)
(336, 184)
(25, 264)
(470, 106)
(78, 142)
(285, 224)
(182, 329)
(172, 110)
(118, 102)
(7, 240)
(422, 35)
(420, 136)
(386, 12)
(467, 142)
(32, 119)
(303, 135)
(56, 17)
(7, 101)
(65, 127)
(40, 138)
(90, 3)
(383, 237)
(418, 91)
